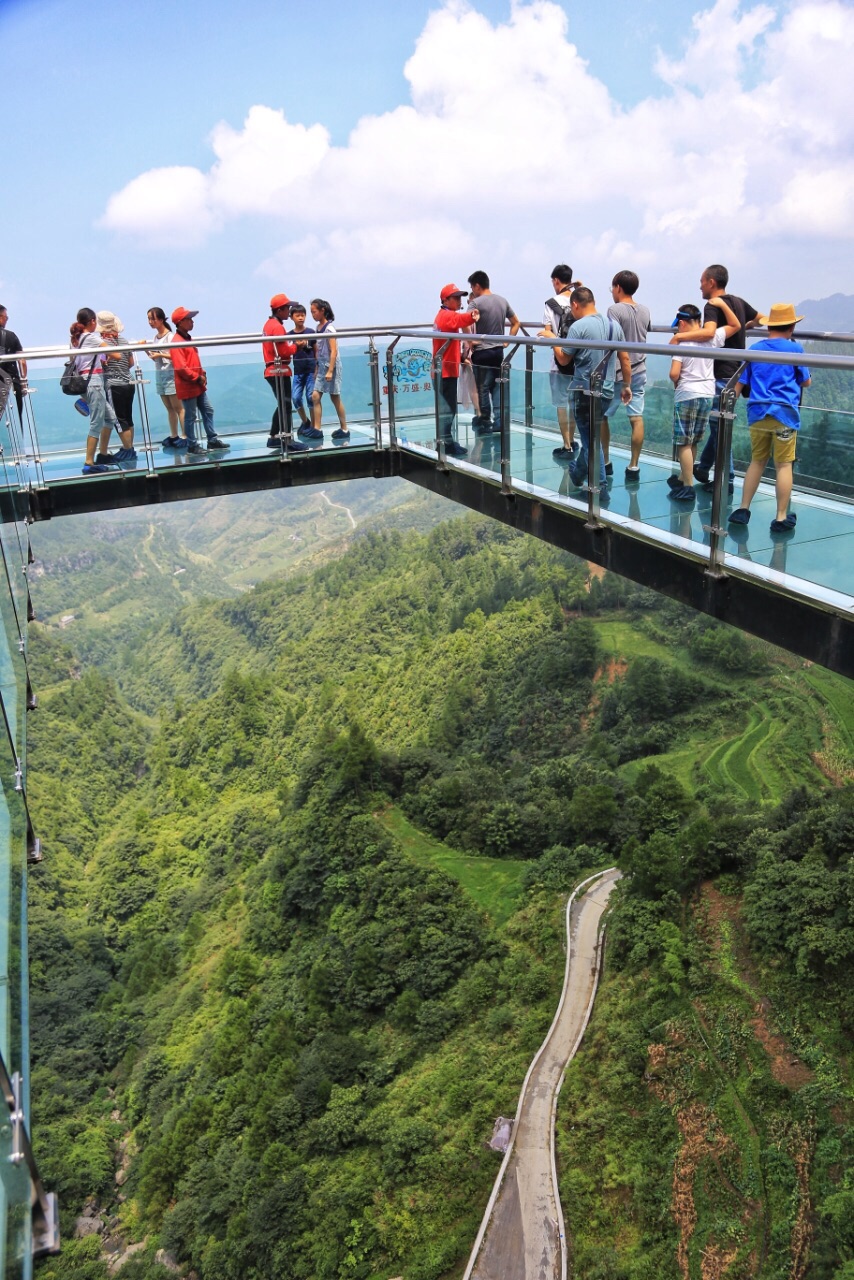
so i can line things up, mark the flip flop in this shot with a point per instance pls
(741, 516)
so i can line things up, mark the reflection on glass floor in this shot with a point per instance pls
(68, 464)
(819, 553)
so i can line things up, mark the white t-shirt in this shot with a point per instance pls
(697, 377)
(84, 363)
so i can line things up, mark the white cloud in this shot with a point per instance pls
(509, 139)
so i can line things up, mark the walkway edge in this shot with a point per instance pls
(600, 949)
(519, 1105)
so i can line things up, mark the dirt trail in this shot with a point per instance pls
(523, 1235)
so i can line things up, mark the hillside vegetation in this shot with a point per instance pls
(299, 929)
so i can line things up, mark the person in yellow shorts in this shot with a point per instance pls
(773, 415)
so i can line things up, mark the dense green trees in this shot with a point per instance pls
(290, 1024)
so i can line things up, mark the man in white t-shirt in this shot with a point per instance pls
(693, 378)
(560, 376)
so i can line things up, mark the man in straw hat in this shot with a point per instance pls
(773, 415)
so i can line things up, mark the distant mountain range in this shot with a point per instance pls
(832, 315)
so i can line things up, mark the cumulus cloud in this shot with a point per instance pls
(749, 136)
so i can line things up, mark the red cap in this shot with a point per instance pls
(279, 300)
(181, 313)
(451, 291)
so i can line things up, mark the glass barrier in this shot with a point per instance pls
(815, 559)
(52, 440)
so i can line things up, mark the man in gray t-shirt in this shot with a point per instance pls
(486, 357)
(635, 321)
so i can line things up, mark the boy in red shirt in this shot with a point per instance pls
(451, 319)
(191, 383)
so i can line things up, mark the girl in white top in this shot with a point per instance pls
(328, 375)
(165, 377)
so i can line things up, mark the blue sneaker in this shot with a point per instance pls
(312, 433)
(685, 493)
(94, 468)
(126, 455)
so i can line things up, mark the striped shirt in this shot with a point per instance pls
(119, 370)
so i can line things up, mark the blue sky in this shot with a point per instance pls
(371, 152)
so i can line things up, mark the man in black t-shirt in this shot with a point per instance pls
(12, 373)
(713, 284)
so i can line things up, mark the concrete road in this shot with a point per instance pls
(523, 1235)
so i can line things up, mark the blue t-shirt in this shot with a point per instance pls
(305, 359)
(775, 389)
(587, 358)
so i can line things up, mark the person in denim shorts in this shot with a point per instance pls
(693, 378)
(328, 375)
(305, 367)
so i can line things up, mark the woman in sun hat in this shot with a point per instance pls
(120, 386)
(773, 415)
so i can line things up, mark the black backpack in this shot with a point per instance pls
(73, 383)
(561, 327)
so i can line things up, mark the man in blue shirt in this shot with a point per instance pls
(773, 415)
(587, 323)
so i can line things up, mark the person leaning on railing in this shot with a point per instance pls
(589, 324)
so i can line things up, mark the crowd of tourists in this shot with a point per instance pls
(302, 363)
(298, 370)
(571, 313)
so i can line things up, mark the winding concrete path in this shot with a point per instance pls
(522, 1235)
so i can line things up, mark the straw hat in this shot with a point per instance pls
(781, 315)
(108, 323)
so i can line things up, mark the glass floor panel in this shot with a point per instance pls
(67, 465)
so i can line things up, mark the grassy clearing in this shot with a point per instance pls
(495, 884)
(621, 640)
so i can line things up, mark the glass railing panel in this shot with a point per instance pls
(411, 390)
(15, 1225)
(242, 405)
(13, 853)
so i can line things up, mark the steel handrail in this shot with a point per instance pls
(701, 350)
(733, 355)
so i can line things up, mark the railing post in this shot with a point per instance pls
(145, 423)
(594, 432)
(437, 402)
(529, 388)
(389, 377)
(504, 420)
(376, 392)
(716, 530)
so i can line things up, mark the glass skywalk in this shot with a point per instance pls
(388, 391)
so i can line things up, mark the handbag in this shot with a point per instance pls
(72, 383)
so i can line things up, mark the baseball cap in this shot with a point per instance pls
(279, 300)
(181, 313)
(452, 291)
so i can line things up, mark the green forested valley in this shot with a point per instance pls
(299, 927)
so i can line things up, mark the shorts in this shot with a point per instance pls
(635, 406)
(690, 419)
(560, 384)
(767, 434)
(333, 386)
(164, 381)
